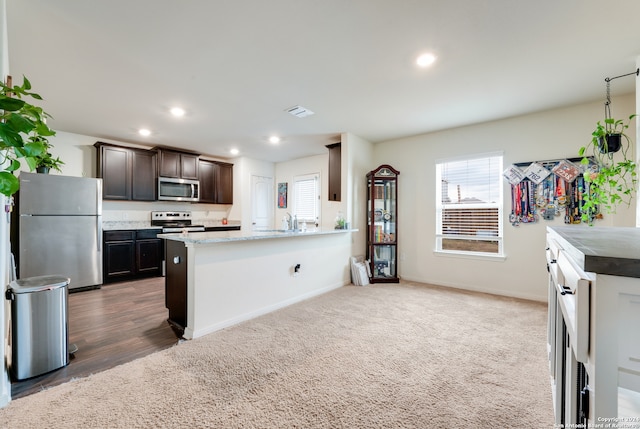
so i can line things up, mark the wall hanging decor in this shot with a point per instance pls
(282, 195)
(548, 189)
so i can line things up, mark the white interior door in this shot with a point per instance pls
(262, 202)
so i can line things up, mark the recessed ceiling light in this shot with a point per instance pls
(234, 151)
(274, 139)
(144, 132)
(177, 111)
(425, 60)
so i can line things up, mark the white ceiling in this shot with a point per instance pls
(107, 68)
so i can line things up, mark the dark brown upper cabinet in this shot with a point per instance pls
(335, 169)
(216, 182)
(127, 173)
(179, 165)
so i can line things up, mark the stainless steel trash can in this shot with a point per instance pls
(39, 325)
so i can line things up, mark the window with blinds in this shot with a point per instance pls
(469, 205)
(306, 197)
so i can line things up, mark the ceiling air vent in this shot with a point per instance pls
(299, 111)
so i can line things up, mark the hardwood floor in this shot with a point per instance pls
(110, 326)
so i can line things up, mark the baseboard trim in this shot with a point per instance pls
(5, 388)
(191, 334)
(4, 400)
(508, 293)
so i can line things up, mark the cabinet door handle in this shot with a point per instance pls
(176, 260)
(634, 359)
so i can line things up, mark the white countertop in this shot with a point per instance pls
(226, 236)
(130, 224)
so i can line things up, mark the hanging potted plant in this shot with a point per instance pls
(22, 127)
(612, 180)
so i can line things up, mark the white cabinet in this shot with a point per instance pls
(594, 333)
(629, 340)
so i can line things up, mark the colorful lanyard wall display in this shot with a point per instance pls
(546, 189)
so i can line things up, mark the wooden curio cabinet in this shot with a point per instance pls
(382, 224)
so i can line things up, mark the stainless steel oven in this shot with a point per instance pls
(171, 189)
(174, 221)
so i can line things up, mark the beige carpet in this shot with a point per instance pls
(383, 356)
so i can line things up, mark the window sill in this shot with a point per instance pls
(477, 256)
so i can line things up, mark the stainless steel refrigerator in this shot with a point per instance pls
(60, 228)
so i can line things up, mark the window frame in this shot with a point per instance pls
(441, 207)
(295, 202)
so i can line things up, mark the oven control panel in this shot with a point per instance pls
(170, 216)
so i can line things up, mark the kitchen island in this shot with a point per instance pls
(594, 315)
(218, 279)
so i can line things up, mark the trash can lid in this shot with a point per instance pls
(38, 283)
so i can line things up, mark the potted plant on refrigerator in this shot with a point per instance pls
(613, 178)
(22, 128)
(45, 161)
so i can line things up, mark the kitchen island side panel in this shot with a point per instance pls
(230, 282)
(176, 282)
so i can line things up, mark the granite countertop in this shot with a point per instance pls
(602, 250)
(130, 224)
(227, 236)
(119, 225)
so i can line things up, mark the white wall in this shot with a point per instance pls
(637, 133)
(5, 385)
(542, 136)
(285, 173)
(243, 169)
(357, 161)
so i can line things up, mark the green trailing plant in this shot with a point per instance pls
(46, 160)
(613, 179)
(23, 133)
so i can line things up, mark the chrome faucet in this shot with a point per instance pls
(292, 222)
(289, 223)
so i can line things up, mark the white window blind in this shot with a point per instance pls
(306, 191)
(469, 205)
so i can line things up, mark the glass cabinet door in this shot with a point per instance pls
(382, 224)
(383, 261)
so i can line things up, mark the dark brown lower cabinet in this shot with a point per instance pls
(130, 254)
(119, 255)
(176, 282)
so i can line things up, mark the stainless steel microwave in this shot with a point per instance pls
(170, 189)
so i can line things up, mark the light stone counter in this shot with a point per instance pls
(111, 225)
(211, 237)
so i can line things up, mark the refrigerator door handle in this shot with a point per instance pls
(99, 233)
(99, 197)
